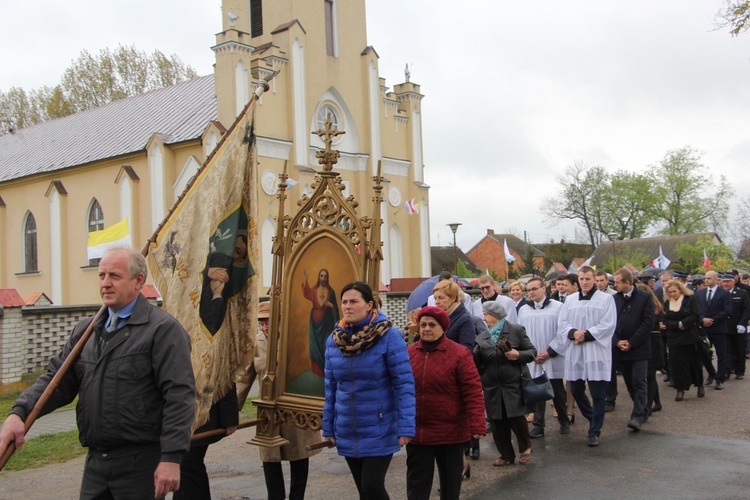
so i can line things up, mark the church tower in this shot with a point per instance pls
(326, 67)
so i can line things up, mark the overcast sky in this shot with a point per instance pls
(514, 90)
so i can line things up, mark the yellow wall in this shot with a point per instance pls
(348, 75)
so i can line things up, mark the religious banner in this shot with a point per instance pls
(317, 251)
(203, 262)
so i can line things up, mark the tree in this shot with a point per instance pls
(92, 81)
(527, 264)
(626, 208)
(741, 229)
(735, 15)
(691, 256)
(582, 189)
(687, 201)
(463, 271)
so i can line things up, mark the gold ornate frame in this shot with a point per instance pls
(325, 216)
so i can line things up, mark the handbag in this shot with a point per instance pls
(536, 390)
(702, 344)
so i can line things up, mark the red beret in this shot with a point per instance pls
(437, 313)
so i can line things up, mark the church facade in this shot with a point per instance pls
(132, 158)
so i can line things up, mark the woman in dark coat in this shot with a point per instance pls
(501, 355)
(224, 414)
(448, 297)
(450, 409)
(682, 317)
(656, 362)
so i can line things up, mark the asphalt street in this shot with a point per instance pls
(697, 448)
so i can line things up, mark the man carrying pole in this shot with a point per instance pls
(135, 388)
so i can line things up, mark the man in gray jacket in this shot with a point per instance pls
(135, 387)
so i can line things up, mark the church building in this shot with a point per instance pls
(132, 158)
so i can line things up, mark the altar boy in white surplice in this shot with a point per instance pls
(587, 323)
(540, 318)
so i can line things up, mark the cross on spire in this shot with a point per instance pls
(329, 157)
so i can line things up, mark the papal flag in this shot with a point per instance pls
(203, 261)
(109, 237)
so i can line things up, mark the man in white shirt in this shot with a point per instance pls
(587, 323)
(602, 283)
(540, 318)
(486, 286)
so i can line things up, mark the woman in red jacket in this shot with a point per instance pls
(450, 408)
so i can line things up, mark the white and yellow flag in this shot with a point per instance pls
(109, 237)
(203, 262)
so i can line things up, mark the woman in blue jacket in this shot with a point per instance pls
(369, 409)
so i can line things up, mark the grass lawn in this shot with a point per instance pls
(45, 450)
(42, 450)
(55, 448)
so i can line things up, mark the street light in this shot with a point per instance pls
(612, 237)
(454, 228)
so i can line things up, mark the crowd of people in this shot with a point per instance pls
(462, 376)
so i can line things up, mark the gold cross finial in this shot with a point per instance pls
(328, 158)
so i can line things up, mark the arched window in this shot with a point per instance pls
(95, 223)
(30, 261)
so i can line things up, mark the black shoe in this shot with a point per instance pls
(565, 428)
(593, 441)
(719, 385)
(679, 396)
(701, 392)
(656, 408)
(709, 380)
(474, 453)
(739, 376)
(536, 433)
(608, 407)
(467, 472)
(666, 379)
(634, 424)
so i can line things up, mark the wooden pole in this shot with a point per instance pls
(54, 383)
(222, 431)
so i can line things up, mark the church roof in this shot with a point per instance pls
(176, 113)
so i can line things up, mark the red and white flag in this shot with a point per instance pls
(706, 262)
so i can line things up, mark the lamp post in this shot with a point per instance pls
(612, 237)
(454, 228)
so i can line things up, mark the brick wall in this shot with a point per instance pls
(489, 254)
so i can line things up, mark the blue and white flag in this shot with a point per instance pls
(508, 256)
(661, 262)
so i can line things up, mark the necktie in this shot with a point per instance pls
(113, 324)
(710, 294)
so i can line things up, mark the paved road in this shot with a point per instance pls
(697, 448)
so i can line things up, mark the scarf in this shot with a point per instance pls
(675, 305)
(453, 307)
(351, 344)
(497, 330)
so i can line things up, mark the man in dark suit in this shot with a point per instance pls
(715, 305)
(632, 342)
(737, 325)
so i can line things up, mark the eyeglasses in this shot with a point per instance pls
(487, 287)
(533, 289)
